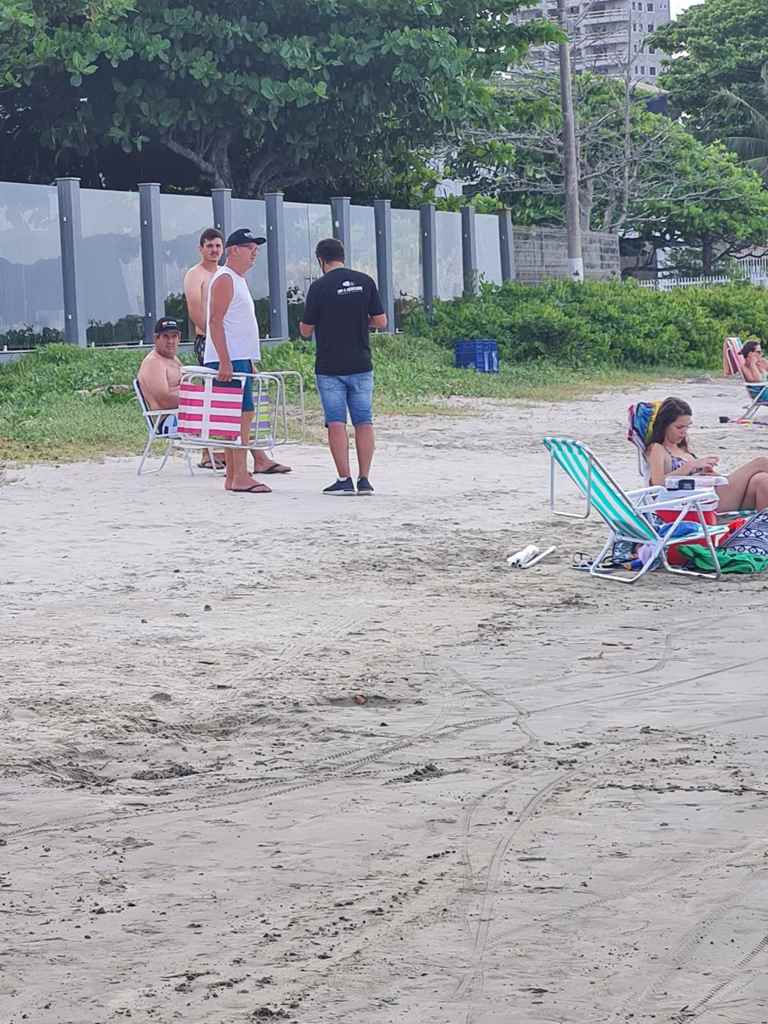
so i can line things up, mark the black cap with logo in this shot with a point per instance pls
(167, 323)
(244, 236)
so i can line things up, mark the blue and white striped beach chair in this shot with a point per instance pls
(628, 513)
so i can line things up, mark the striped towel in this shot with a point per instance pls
(211, 411)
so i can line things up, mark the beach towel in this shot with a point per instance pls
(640, 425)
(731, 562)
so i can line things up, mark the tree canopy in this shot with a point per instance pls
(641, 174)
(256, 95)
(714, 46)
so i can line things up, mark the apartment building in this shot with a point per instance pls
(608, 36)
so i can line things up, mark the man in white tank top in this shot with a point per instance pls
(232, 345)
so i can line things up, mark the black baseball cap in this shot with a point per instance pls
(167, 323)
(242, 236)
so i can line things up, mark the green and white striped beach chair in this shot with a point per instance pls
(627, 513)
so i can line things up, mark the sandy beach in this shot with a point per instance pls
(328, 761)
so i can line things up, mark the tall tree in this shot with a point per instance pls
(261, 94)
(657, 183)
(714, 46)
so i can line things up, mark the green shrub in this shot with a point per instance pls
(619, 324)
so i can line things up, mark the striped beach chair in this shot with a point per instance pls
(628, 513)
(733, 363)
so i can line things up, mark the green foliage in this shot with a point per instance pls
(259, 94)
(676, 190)
(716, 45)
(599, 324)
(62, 402)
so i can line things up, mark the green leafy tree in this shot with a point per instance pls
(260, 94)
(656, 183)
(752, 146)
(715, 46)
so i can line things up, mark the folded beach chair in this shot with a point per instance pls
(628, 514)
(733, 363)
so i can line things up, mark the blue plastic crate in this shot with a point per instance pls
(481, 354)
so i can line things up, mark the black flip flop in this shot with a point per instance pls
(274, 470)
(256, 489)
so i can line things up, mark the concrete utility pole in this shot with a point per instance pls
(570, 155)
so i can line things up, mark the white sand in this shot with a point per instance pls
(551, 807)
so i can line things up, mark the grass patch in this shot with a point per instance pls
(54, 405)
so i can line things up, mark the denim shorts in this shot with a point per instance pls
(353, 391)
(241, 366)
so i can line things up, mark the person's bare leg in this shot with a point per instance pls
(365, 445)
(240, 479)
(734, 494)
(262, 463)
(757, 492)
(338, 442)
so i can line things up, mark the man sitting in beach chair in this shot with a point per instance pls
(160, 373)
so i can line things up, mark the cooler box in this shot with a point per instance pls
(481, 354)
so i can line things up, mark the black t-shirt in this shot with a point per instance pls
(338, 306)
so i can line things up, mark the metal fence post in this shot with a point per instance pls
(469, 250)
(71, 233)
(428, 222)
(222, 213)
(382, 212)
(278, 275)
(507, 246)
(151, 267)
(342, 224)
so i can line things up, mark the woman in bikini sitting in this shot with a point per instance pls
(754, 366)
(668, 455)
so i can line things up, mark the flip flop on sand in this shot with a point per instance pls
(218, 464)
(255, 489)
(274, 468)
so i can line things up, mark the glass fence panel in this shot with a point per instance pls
(111, 273)
(31, 295)
(182, 221)
(363, 240)
(305, 225)
(406, 249)
(450, 271)
(252, 213)
(488, 251)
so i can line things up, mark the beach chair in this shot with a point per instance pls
(162, 428)
(640, 417)
(628, 514)
(209, 409)
(734, 363)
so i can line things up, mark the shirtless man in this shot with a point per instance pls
(160, 371)
(196, 281)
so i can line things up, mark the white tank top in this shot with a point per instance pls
(241, 328)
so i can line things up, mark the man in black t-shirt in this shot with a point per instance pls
(340, 308)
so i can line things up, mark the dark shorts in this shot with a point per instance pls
(353, 391)
(241, 366)
(199, 348)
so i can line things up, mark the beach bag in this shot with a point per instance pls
(752, 538)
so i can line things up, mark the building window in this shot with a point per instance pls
(650, 6)
(650, 26)
(642, 69)
(652, 70)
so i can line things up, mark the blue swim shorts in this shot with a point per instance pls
(353, 391)
(241, 366)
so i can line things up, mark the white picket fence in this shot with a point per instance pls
(754, 269)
